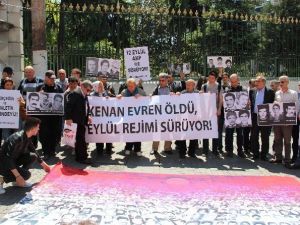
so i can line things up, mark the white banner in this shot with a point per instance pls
(137, 63)
(9, 109)
(156, 118)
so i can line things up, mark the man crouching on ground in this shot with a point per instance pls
(17, 155)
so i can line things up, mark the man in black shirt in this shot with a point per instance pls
(17, 155)
(50, 133)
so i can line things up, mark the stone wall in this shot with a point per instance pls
(11, 37)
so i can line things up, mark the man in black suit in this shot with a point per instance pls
(77, 111)
(260, 95)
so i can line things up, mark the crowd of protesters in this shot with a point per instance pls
(252, 142)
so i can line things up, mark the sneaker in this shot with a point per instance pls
(26, 185)
(153, 152)
(2, 190)
(127, 152)
(139, 154)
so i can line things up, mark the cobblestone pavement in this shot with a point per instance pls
(151, 164)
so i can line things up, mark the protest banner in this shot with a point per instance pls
(42, 103)
(219, 62)
(9, 109)
(156, 118)
(236, 109)
(277, 114)
(69, 135)
(177, 68)
(106, 67)
(137, 63)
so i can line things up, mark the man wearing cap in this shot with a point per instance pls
(50, 129)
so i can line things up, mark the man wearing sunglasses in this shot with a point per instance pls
(283, 132)
(77, 111)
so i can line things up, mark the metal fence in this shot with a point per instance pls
(257, 43)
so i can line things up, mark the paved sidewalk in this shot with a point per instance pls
(151, 164)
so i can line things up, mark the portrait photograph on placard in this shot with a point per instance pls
(244, 119)
(242, 100)
(229, 100)
(290, 113)
(231, 119)
(106, 67)
(41, 103)
(263, 115)
(91, 66)
(177, 68)
(277, 114)
(219, 62)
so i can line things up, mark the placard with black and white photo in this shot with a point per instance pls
(177, 68)
(236, 101)
(91, 66)
(106, 67)
(42, 103)
(277, 114)
(236, 109)
(219, 62)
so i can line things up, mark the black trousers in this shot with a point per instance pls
(265, 132)
(246, 135)
(80, 145)
(229, 139)
(215, 144)
(136, 146)
(100, 146)
(295, 145)
(181, 146)
(50, 134)
(23, 163)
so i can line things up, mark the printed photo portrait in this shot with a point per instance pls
(231, 119)
(104, 66)
(276, 113)
(58, 101)
(91, 66)
(244, 118)
(42, 103)
(33, 101)
(186, 68)
(219, 62)
(115, 69)
(242, 100)
(229, 101)
(210, 63)
(290, 113)
(263, 115)
(45, 102)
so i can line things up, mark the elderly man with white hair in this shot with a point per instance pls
(283, 133)
(162, 89)
(132, 90)
(181, 145)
